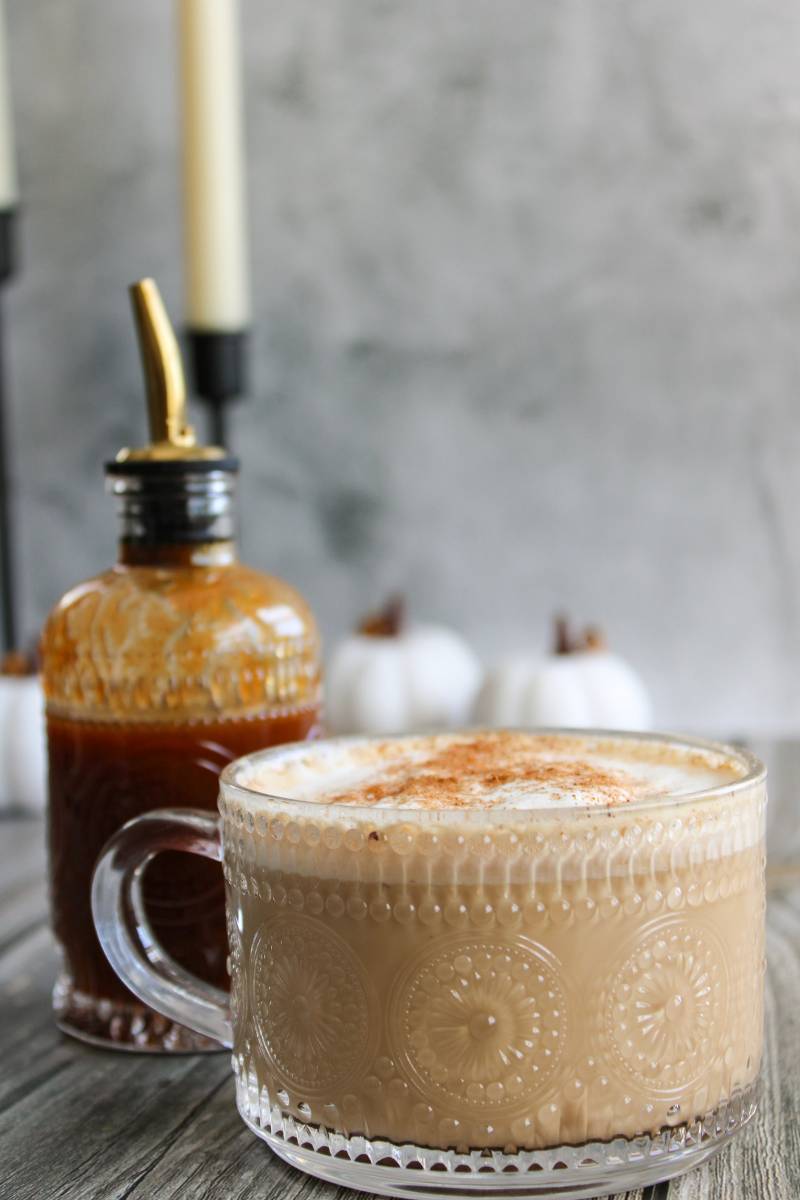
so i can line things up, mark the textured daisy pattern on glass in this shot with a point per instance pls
(482, 1022)
(666, 1006)
(310, 1003)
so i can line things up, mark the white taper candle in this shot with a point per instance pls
(8, 166)
(217, 291)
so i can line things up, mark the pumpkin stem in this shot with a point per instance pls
(594, 640)
(562, 642)
(388, 621)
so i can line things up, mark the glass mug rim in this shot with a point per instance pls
(231, 787)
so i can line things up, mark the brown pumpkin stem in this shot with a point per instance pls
(593, 639)
(389, 621)
(562, 641)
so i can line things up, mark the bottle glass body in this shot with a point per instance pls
(157, 674)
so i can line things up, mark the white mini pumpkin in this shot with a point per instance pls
(22, 743)
(581, 685)
(389, 678)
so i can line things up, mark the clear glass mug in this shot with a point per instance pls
(471, 1001)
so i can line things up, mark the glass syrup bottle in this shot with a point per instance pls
(158, 673)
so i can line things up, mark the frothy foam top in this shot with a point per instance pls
(493, 770)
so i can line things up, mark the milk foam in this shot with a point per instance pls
(502, 770)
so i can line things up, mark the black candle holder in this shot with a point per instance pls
(219, 370)
(8, 595)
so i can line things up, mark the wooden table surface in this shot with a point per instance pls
(81, 1124)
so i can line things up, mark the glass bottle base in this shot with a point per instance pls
(117, 1025)
(567, 1172)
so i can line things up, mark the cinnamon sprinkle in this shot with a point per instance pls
(464, 771)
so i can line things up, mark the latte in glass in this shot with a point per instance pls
(500, 957)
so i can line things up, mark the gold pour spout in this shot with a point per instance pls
(171, 437)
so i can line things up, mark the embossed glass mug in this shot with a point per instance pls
(484, 964)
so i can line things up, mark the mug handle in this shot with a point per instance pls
(126, 934)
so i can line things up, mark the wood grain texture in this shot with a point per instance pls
(83, 1124)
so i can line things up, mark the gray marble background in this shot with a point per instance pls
(527, 314)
